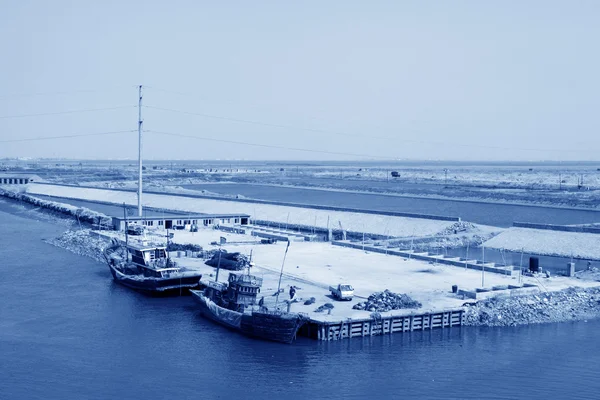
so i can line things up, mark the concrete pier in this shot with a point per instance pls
(384, 325)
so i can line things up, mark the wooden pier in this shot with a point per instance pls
(384, 325)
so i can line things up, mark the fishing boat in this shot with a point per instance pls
(233, 304)
(144, 267)
(149, 269)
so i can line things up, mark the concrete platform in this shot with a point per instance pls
(313, 266)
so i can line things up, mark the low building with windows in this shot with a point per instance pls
(17, 179)
(183, 221)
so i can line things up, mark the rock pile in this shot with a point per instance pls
(386, 301)
(81, 242)
(457, 227)
(565, 305)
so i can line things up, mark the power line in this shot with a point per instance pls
(65, 136)
(246, 121)
(63, 112)
(366, 137)
(230, 101)
(270, 146)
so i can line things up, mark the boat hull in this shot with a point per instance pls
(157, 286)
(277, 327)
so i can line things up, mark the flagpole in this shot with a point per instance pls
(281, 273)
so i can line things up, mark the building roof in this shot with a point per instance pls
(183, 216)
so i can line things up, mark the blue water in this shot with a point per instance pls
(502, 215)
(68, 332)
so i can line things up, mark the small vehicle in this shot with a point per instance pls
(342, 291)
(135, 230)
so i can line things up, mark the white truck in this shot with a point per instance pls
(342, 291)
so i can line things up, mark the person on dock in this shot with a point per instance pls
(261, 303)
(292, 292)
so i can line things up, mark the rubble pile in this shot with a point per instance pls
(230, 261)
(457, 227)
(183, 247)
(565, 305)
(387, 301)
(81, 242)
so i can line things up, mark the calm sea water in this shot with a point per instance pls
(68, 332)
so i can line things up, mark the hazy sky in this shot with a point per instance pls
(461, 80)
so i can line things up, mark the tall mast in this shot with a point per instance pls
(281, 274)
(126, 234)
(140, 123)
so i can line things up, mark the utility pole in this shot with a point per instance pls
(559, 181)
(140, 123)
(483, 266)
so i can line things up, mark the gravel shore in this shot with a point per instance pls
(566, 305)
(82, 242)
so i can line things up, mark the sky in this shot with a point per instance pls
(310, 80)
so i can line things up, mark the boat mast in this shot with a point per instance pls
(281, 274)
(167, 249)
(140, 123)
(218, 265)
(250, 262)
(126, 235)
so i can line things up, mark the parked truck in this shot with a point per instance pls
(342, 291)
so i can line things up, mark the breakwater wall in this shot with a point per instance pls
(81, 213)
(424, 256)
(562, 228)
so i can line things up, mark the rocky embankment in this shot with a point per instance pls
(566, 305)
(83, 242)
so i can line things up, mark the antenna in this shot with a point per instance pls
(140, 123)
(126, 233)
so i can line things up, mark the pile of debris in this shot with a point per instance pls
(455, 228)
(183, 247)
(230, 261)
(81, 242)
(565, 305)
(387, 301)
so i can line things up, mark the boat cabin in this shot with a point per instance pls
(243, 289)
(151, 260)
(239, 292)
